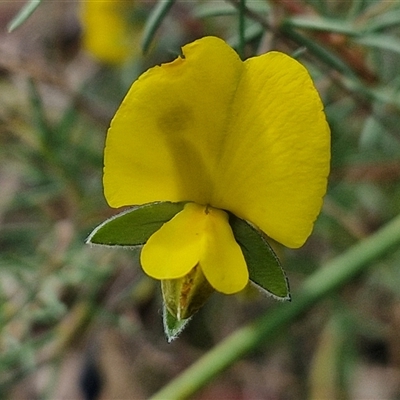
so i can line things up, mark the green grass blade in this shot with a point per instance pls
(242, 28)
(381, 41)
(212, 9)
(319, 51)
(154, 21)
(39, 116)
(25, 12)
(383, 21)
(322, 24)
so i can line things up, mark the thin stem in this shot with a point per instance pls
(334, 275)
(242, 27)
(157, 16)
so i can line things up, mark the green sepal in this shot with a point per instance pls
(172, 326)
(264, 267)
(133, 227)
(184, 296)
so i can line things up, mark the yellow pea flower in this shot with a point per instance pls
(223, 135)
(107, 32)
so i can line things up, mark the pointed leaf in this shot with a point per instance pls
(25, 12)
(134, 226)
(154, 21)
(264, 267)
(213, 9)
(382, 21)
(381, 41)
(323, 24)
(172, 326)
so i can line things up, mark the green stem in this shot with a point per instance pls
(334, 275)
(154, 21)
(242, 28)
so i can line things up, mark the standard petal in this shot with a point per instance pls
(248, 137)
(173, 250)
(275, 161)
(221, 258)
(165, 140)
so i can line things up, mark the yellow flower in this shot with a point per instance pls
(248, 137)
(107, 33)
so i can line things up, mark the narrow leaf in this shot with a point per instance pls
(251, 32)
(154, 21)
(380, 41)
(172, 326)
(134, 226)
(216, 9)
(323, 24)
(39, 116)
(211, 9)
(25, 12)
(242, 27)
(383, 21)
(319, 51)
(264, 267)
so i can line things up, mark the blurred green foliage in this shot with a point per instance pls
(69, 312)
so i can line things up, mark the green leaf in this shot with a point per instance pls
(383, 21)
(212, 9)
(39, 117)
(134, 226)
(324, 54)
(251, 32)
(323, 24)
(154, 21)
(25, 12)
(380, 41)
(217, 9)
(264, 267)
(172, 326)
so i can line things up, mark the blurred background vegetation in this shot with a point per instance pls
(85, 323)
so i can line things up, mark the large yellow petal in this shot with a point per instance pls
(275, 161)
(247, 137)
(165, 140)
(173, 250)
(221, 258)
